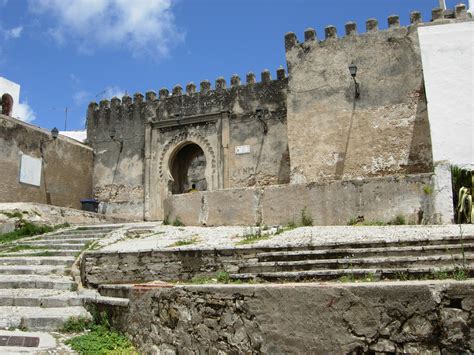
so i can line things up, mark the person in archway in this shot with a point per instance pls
(193, 188)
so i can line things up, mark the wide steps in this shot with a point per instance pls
(326, 275)
(60, 246)
(58, 241)
(38, 318)
(345, 263)
(33, 270)
(40, 253)
(39, 298)
(69, 237)
(388, 251)
(66, 261)
(51, 282)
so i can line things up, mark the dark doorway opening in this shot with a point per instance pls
(188, 168)
(7, 104)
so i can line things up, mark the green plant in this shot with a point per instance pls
(16, 214)
(402, 276)
(440, 275)
(76, 325)
(177, 222)
(223, 276)
(166, 220)
(101, 340)
(347, 278)
(398, 220)
(181, 243)
(252, 237)
(291, 225)
(306, 219)
(460, 274)
(428, 189)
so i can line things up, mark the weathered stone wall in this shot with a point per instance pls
(333, 203)
(408, 317)
(333, 135)
(67, 166)
(118, 162)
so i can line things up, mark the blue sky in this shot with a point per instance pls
(66, 53)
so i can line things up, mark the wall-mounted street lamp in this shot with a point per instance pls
(260, 112)
(54, 133)
(353, 71)
(113, 134)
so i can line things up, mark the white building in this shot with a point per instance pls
(12, 89)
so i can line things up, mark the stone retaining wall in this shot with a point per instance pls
(332, 203)
(143, 266)
(409, 317)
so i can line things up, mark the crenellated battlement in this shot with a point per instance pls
(438, 15)
(191, 100)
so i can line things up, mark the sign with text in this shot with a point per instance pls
(30, 170)
(242, 149)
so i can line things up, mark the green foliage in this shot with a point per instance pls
(427, 189)
(290, 225)
(359, 221)
(347, 278)
(306, 219)
(462, 178)
(441, 275)
(101, 341)
(223, 277)
(252, 237)
(16, 214)
(181, 243)
(166, 220)
(398, 221)
(177, 222)
(460, 274)
(76, 325)
(27, 229)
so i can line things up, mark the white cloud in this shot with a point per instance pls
(81, 97)
(13, 32)
(144, 27)
(113, 91)
(23, 112)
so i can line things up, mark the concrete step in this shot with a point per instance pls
(39, 298)
(53, 282)
(34, 270)
(40, 253)
(47, 242)
(347, 263)
(70, 237)
(37, 318)
(59, 246)
(327, 275)
(65, 261)
(116, 291)
(364, 252)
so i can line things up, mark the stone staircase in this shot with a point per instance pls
(416, 259)
(37, 291)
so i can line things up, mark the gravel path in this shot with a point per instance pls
(151, 236)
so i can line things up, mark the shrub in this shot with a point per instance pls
(306, 219)
(177, 222)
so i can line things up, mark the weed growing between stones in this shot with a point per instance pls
(177, 222)
(306, 219)
(251, 236)
(427, 189)
(181, 243)
(99, 338)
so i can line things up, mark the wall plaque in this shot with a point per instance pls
(30, 170)
(242, 149)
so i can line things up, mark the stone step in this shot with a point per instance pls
(52, 282)
(364, 252)
(327, 275)
(65, 261)
(67, 237)
(40, 253)
(37, 318)
(364, 244)
(348, 263)
(34, 270)
(117, 291)
(47, 242)
(59, 246)
(39, 298)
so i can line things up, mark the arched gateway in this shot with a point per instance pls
(188, 169)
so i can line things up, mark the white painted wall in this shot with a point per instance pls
(448, 66)
(9, 87)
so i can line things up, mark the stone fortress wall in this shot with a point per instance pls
(66, 166)
(304, 128)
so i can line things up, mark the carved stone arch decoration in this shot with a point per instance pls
(175, 144)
